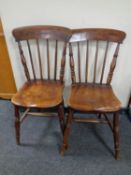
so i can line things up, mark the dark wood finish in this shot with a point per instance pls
(42, 32)
(55, 66)
(116, 135)
(61, 117)
(97, 34)
(17, 124)
(31, 59)
(73, 77)
(113, 64)
(62, 70)
(23, 61)
(40, 91)
(96, 97)
(39, 58)
(96, 57)
(48, 59)
(104, 62)
(87, 61)
(67, 132)
(79, 62)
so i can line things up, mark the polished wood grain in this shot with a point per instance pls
(89, 97)
(103, 34)
(39, 94)
(42, 32)
(93, 96)
(41, 91)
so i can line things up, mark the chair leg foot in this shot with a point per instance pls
(117, 154)
(116, 135)
(62, 151)
(17, 141)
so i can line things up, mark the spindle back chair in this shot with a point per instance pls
(92, 67)
(42, 51)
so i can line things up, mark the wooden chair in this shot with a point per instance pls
(40, 47)
(91, 76)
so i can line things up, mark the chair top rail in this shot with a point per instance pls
(42, 32)
(104, 34)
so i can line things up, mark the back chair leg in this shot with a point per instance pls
(67, 132)
(61, 117)
(99, 116)
(17, 124)
(116, 135)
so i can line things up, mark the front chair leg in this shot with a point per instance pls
(116, 135)
(17, 124)
(61, 117)
(67, 132)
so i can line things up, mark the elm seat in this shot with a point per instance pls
(99, 98)
(39, 94)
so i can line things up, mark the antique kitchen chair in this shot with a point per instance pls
(92, 65)
(42, 51)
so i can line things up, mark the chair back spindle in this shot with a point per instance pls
(104, 62)
(48, 59)
(37, 44)
(99, 41)
(55, 65)
(31, 59)
(87, 61)
(79, 62)
(96, 57)
(39, 58)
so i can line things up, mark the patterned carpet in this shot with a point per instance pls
(90, 152)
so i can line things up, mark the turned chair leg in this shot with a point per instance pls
(67, 132)
(116, 135)
(17, 124)
(61, 117)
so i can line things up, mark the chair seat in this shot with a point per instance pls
(40, 93)
(90, 97)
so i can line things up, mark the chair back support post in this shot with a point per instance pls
(63, 63)
(113, 64)
(23, 60)
(73, 77)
